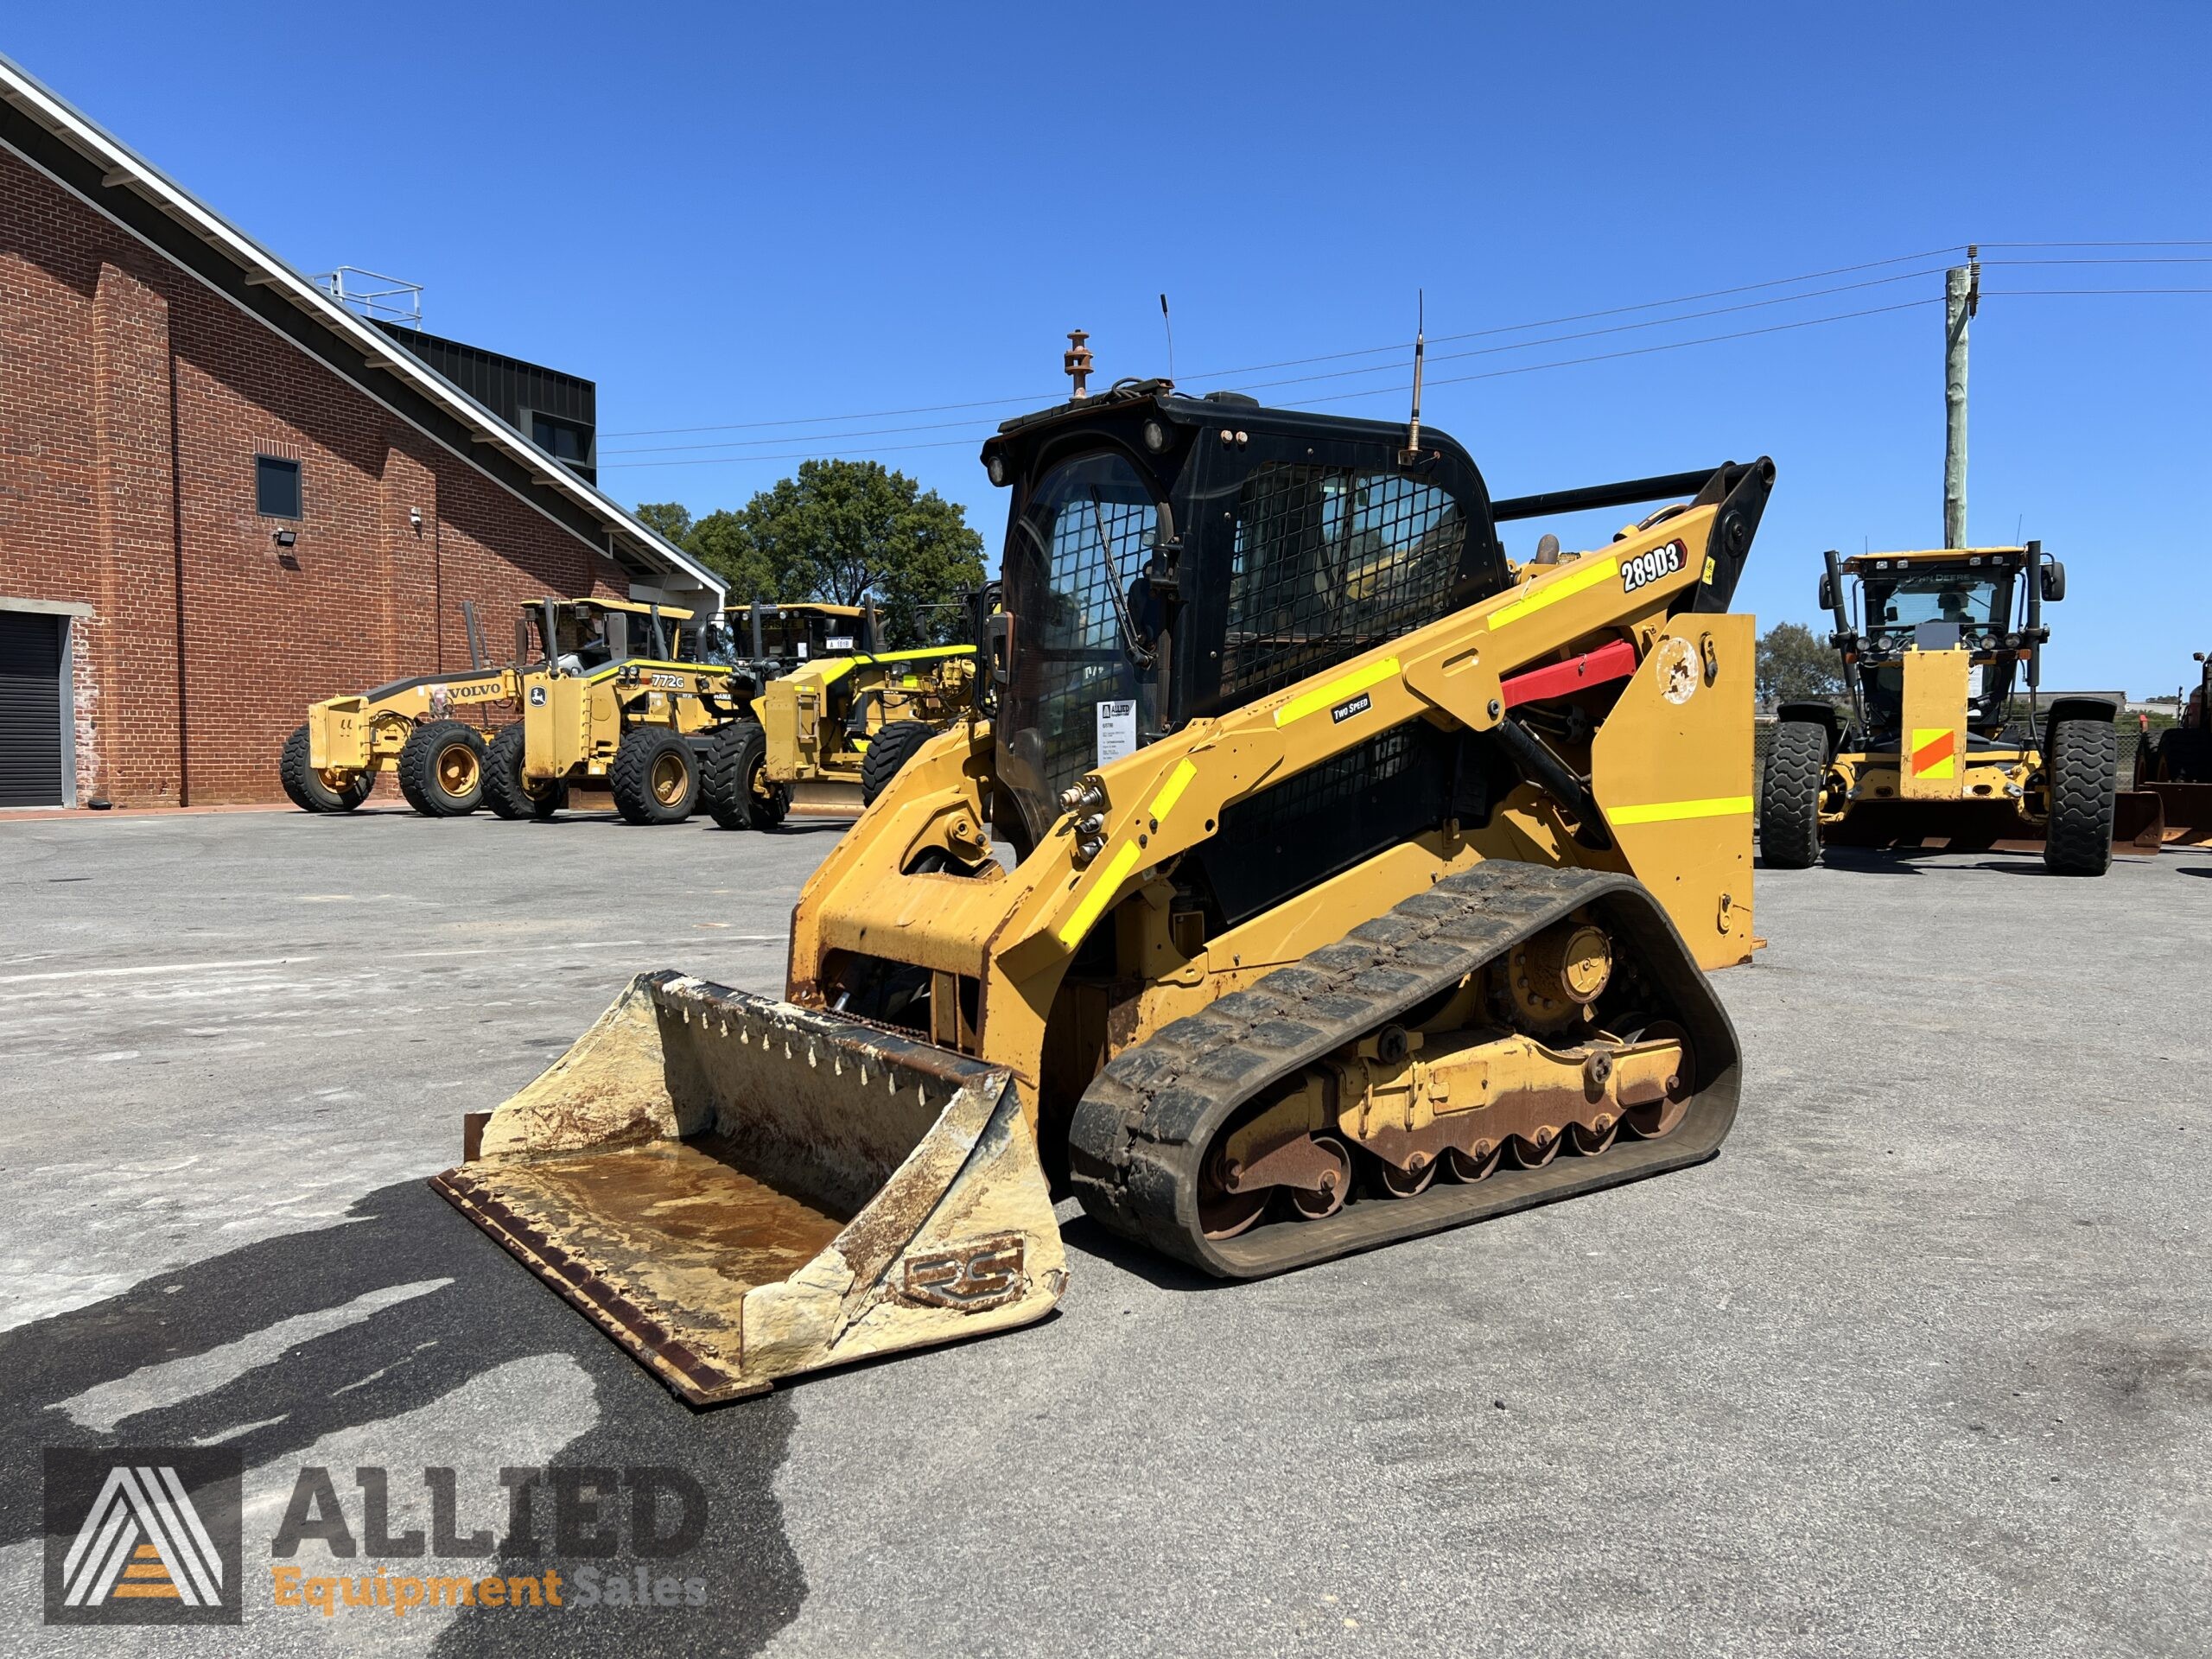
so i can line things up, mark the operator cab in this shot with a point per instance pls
(1168, 558)
(579, 636)
(1970, 599)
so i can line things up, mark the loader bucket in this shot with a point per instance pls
(737, 1189)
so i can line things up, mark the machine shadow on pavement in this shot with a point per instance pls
(400, 1359)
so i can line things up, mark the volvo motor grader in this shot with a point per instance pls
(624, 702)
(433, 731)
(1307, 875)
(833, 729)
(2176, 766)
(1929, 752)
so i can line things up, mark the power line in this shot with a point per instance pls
(1258, 368)
(1635, 351)
(1399, 389)
(1379, 368)
(803, 455)
(1030, 399)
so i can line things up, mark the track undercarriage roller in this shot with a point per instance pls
(1457, 1095)
(1471, 1032)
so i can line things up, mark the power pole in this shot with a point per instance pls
(1961, 296)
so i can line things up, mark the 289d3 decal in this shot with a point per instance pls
(1647, 568)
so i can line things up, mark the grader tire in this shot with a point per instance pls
(308, 790)
(441, 769)
(1789, 797)
(888, 751)
(655, 777)
(729, 793)
(505, 791)
(2083, 758)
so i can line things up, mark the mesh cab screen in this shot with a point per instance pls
(1327, 562)
(1074, 563)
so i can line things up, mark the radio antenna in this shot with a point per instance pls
(1411, 453)
(1169, 326)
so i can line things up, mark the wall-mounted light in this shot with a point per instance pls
(287, 538)
(415, 519)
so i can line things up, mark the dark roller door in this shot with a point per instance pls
(31, 710)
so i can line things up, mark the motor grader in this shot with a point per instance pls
(831, 732)
(433, 731)
(1305, 874)
(1929, 755)
(2176, 766)
(624, 702)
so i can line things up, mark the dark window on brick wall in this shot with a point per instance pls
(275, 487)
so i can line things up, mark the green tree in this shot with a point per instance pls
(1795, 666)
(671, 518)
(723, 541)
(846, 531)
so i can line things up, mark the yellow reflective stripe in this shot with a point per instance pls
(1719, 806)
(1551, 589)
(1103, 889)
(1336, 690)
(1171, 791)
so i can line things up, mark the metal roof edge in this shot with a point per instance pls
(58, 116)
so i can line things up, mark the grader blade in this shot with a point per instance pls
(2186, 816)
(736, 1189)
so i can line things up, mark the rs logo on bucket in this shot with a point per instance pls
(969, 1278)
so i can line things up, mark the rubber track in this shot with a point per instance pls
(2084, 765)
(1790, 795)
(1143, 1126)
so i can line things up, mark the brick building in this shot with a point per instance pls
(223, 495)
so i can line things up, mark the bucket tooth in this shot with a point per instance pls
(718, 1181)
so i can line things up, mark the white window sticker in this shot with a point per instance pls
(838, 642)
(1117, 731)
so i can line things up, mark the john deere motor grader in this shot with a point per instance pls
(835, 728)
(1361, 884)
(1926, 755)
(2175, 766)
(624, 702)
(432, 731)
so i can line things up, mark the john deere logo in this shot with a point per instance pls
(142, 1535)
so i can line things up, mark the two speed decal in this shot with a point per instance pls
(1647, 568)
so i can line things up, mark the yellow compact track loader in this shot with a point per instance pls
(1307, 876)
(831, 732)
(1929, 757)
(2175, 766)
(433, 731)
(624, 702)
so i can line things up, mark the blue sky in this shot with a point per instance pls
(730, 215)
